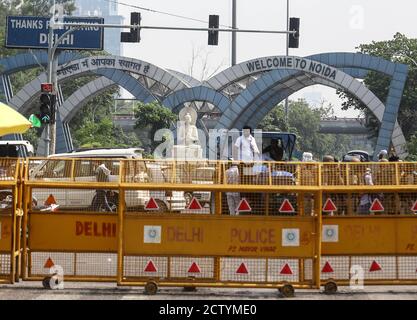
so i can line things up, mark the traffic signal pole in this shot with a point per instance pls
(50, 72)
(50, 139)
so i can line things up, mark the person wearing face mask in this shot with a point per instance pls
(245, 147)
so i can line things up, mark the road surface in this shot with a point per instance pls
(109, 291)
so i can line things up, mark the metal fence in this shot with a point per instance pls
(210, 223)
(10, 219)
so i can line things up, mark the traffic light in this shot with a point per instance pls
(47, 108)
(294, 37)
(134, 34)
(213, 36)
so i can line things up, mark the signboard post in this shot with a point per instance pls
(42, 33)
(32, 32)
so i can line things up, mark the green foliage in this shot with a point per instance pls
(412, 148)
(400, 49)
(152, 117)
(304, 121)
(103, 134)
(32, 135)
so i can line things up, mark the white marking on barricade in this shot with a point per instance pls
(152, 234)
(290, 237)
(330, 233)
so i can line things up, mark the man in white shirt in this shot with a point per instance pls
(245, 148)
(365, 201)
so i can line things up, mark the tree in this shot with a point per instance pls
(304, 121)
(103, 134)
(152, 117)
(400, 49)
(412, 148)
(200, 67)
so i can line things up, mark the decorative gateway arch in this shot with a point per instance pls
(243, 94)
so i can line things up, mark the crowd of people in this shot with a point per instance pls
(246, 149)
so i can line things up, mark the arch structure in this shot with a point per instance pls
(245, 78)
(243, 94)
(145, 81)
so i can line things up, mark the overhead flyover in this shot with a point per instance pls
(337, 125)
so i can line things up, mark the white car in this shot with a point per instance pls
(15, 149)
(58, 169)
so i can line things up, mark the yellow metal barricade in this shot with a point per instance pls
(268, 239)
(10, 170)
(210, 223)
(71, 229)
(369, 229)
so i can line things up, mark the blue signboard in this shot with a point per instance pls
(32, 32)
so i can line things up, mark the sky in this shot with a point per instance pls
(326, 26)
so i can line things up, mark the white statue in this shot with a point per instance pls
(187, 131)
(188, 144)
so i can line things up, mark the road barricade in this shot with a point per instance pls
(241, 225)
(211, 223)
(369, 232)
(72, 229)
(10, 214)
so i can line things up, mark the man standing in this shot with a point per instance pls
(233, 198)
(365, 201)
(245, 148)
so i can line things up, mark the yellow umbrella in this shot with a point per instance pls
(12, 121)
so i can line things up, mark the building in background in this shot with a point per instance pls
(110, 12)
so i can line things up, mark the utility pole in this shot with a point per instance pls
(234, 33)
(286, 53)
(50, 72)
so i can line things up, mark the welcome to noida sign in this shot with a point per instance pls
(32, 32)
(290, 62)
